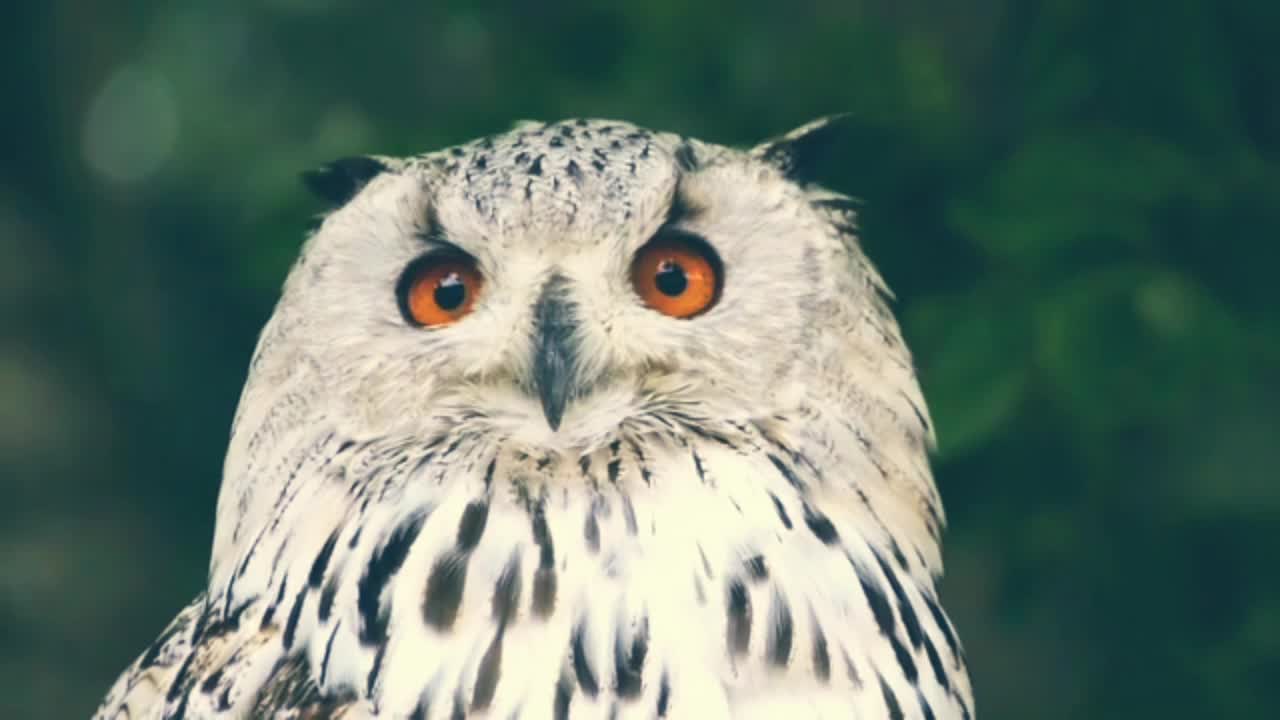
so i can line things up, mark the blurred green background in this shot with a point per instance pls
(1078, 204)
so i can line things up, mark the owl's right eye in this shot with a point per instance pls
(438, 289)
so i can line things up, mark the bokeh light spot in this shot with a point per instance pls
(131, 125)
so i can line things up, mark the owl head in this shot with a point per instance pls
(562, 285)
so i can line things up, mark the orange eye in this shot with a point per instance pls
(438, 290)
(677, 275)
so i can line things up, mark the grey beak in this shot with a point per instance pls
(555, 362)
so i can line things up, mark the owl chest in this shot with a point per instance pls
(691, 581)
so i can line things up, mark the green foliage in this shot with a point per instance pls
(1077, 203)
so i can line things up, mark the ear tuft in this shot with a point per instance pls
(798, 152)
(339, 181)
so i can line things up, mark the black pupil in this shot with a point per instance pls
(671, 280)
(450, 292)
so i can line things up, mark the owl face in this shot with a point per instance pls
(562, 285)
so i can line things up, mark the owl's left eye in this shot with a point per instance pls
(677, 274)
(439, 289)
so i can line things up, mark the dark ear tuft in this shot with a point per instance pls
(798, 153)
(340, 180)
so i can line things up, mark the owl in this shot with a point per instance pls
(581, 420)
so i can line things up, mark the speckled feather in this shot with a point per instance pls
(735, 519)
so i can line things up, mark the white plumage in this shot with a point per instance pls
(567, 504)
